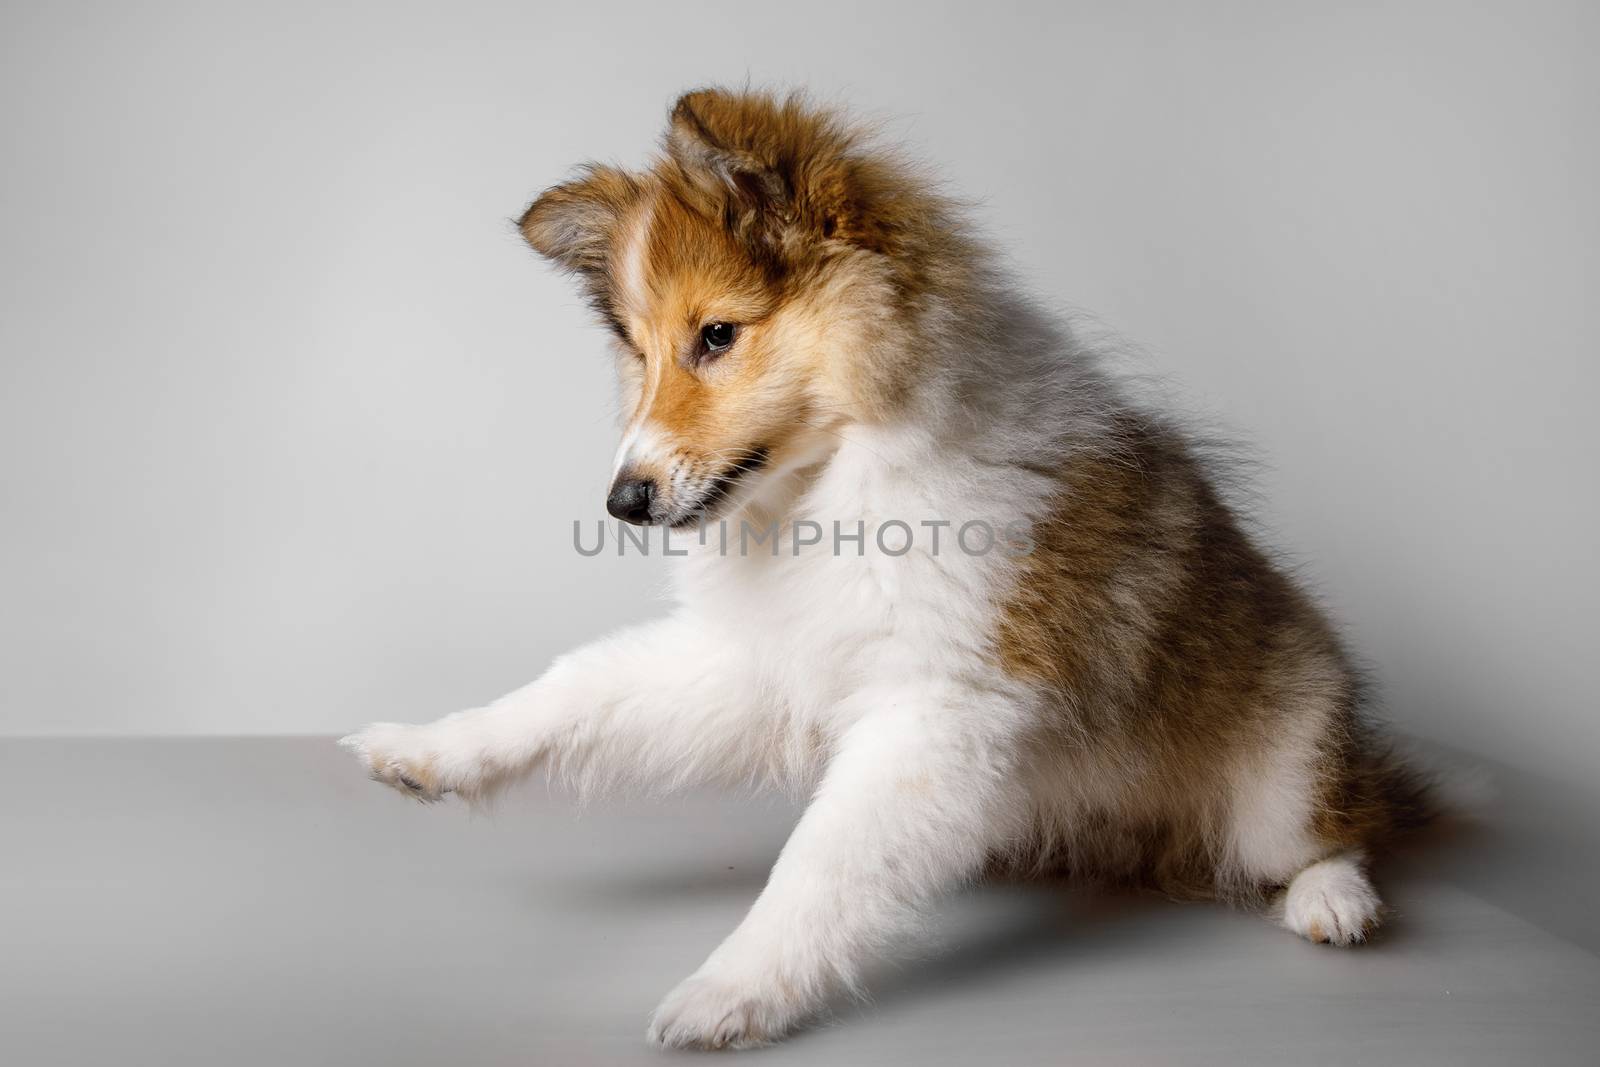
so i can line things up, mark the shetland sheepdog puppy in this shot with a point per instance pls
(1123, 687)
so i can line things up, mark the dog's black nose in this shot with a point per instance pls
(630, 498)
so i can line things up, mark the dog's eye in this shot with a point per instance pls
(716, 337)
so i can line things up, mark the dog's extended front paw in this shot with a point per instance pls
(405, 757)
(710, 1011)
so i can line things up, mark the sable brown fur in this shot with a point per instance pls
(1170, 644)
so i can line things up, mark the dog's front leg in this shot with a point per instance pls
(668, 704)
(915, 797)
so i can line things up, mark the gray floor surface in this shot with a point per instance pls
(242, 902)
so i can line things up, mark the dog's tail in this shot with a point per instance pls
(1421, 789)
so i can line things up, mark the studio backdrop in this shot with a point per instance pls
(294, 429)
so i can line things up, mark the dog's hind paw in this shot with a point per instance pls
(1332, 902)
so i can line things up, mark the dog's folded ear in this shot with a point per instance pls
(573, 223)
(732, 144)
(772, 167)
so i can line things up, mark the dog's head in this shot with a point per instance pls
(759, 278)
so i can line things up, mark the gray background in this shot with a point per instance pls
(293, 429)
